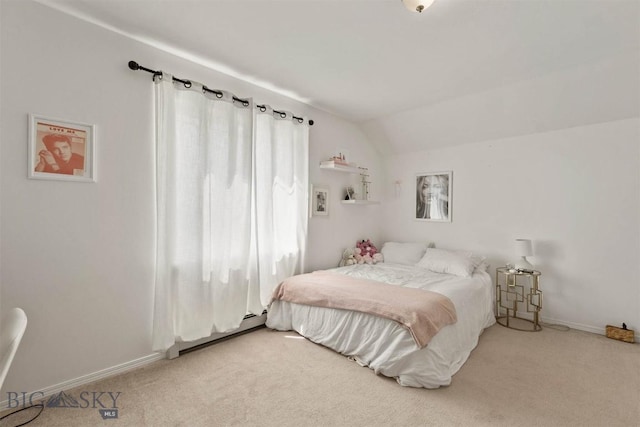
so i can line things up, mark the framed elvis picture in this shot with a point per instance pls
(61, 150)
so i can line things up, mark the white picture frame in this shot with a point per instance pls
(61, 150)
(434, 196)
(319, 201)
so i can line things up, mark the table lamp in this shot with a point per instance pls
(523, 250)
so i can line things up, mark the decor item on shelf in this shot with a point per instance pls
(340, 159)
(417, 5)
(364, 175)
(523, 250)
(350, 193)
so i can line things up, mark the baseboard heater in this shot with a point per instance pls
(250, 321)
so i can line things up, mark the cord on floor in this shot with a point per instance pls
(37, 405)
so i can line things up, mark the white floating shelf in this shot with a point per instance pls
(359, 202)
(330, 164)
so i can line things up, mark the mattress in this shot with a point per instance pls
(386, 346)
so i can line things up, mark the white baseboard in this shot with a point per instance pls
(89, 378)
(572, 325)
(580, 326)
(145, 360)
(249, 323)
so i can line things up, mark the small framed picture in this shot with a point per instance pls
(61, 150)
(433, 196)
(319, 201)
(350, 193)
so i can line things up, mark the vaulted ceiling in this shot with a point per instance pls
(462, 71)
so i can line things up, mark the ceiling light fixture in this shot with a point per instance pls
(417, 5)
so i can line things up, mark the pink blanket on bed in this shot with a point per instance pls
(423, 312)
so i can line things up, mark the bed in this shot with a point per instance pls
(388, 347)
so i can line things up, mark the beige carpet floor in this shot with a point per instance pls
(269, 378)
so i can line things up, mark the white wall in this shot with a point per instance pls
(79, 257)
(574, 192)
(346, 224)
(597, 92)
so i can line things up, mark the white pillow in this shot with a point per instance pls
(448, 262)
(403, 253)
(479, 261)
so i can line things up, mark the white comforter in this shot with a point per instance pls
(384, 345)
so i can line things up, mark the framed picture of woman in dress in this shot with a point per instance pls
(433, 196)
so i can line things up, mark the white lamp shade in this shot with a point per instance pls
(417, 5)
(523, 247)
(523, 250)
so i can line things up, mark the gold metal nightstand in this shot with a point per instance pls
(510, 290)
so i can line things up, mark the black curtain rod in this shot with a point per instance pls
(187, 83)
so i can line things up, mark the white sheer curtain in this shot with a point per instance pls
(232, 189)
(281, 202)
(204, 162)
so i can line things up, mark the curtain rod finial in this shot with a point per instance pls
(134, 65)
